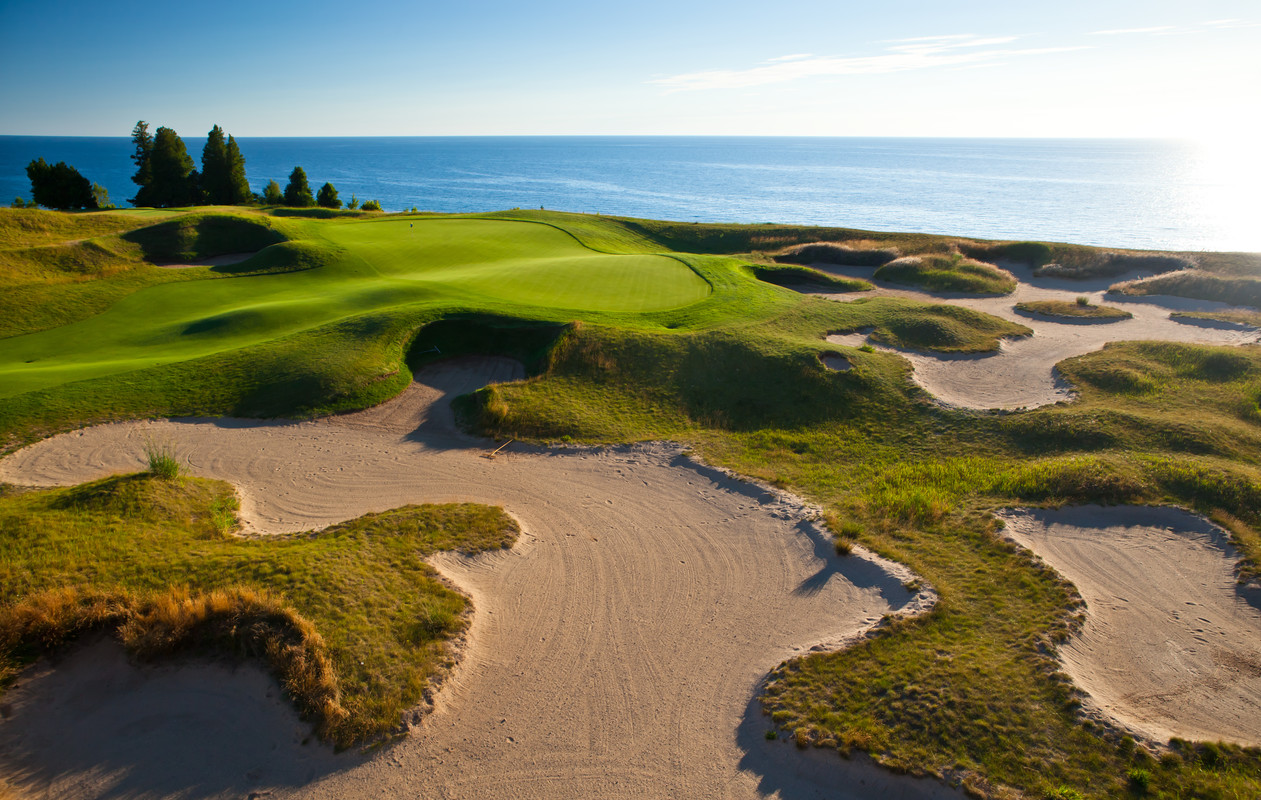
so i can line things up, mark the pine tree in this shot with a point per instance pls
(238, 187)
(298, 192)
(272, 195)
(173, 182)
(214, 169)
(327, 198)
(144, 149)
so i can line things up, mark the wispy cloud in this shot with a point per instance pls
(1123, 31)
(927, 52)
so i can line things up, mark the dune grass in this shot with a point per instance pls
(1077, 310)
(947, 273)
(731, 367)
(1241, 317)
(1200, 285)
(351, 619)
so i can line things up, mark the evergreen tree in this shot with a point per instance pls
(59, 186)
(238, 187)
(101, 195)
(272, 195)
(172, 181)
(298, 192)
(144, 148)
(214, 169)
(327, 198)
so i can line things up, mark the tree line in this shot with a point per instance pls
(167, 178)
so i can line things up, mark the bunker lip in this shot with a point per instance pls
(225, 260)
(649, 593)
(1170, 642)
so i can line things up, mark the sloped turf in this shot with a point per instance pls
(366, 266)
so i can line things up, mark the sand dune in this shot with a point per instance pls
(1171, 646)
(614, 652)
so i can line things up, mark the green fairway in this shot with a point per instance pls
(367, 266)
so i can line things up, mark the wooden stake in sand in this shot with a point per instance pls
(495, 452)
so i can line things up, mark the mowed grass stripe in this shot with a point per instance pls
(371, 266)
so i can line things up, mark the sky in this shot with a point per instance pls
(1124, 68)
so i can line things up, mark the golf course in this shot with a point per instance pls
(532, 504)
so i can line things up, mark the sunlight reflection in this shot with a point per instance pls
(1225, 181)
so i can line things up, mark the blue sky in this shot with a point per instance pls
(1011, 68)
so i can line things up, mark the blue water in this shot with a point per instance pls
(1121, 193)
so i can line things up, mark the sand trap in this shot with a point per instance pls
(1171, 646)
(224, 260)
(1022, 373)
(614, 651)
(835, 362)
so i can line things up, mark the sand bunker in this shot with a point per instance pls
(614, 652)
(1022, 373)
(1171, 646)
(225, 260)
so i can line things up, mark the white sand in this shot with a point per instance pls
(1171, 646)
(1022, 373)
(614, 652)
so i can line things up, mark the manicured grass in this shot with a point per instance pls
(364, 267)
(353, 621)
(947, 273)
(1078, 310)
(636, 329)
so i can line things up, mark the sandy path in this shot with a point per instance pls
(1022, 373)
(614, 651)
(1171, 646)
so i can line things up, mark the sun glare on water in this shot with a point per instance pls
(1225, 192)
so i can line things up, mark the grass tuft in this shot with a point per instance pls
(162, 460)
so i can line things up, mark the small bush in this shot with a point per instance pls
(1140, 779)
(369, 205)
(162, 461)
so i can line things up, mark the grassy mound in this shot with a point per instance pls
(203, 235)
(1077, 310)
(1243, 319)
(351, 619)
(791, 276)
(1089, 262)
(948, 273)
(1237, 291)
(1032, 254)
(33, 227)
(940, 328)
(837, 253)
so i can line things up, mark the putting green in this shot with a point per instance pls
(372, 265)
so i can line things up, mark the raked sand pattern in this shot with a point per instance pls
(1171, 646)
(614, 652)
